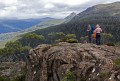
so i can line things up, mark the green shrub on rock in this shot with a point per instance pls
(4, 78)
(72, 41)
(110, 44)
(70, 76)
(117, 63)
(19, 78)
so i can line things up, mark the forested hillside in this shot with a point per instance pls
(106, 15)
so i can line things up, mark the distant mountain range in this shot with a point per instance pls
(40, 23)
(13, 25)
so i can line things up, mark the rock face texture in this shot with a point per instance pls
(86, 62)
(11, 69)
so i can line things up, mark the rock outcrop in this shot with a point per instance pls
(12, 69)
(86, 62)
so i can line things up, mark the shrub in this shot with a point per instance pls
(72, 41)
(4, 78)
(117, 63)
(1, 78)
(110, 44)
(70, 76)
(19, 78)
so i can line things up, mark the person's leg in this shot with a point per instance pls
(99, 38)
(89, 37)
(96, 39)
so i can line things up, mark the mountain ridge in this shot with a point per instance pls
(78, 24)
(13, 25)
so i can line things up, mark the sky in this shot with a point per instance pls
(24, 9)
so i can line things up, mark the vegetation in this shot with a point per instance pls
(72, 41)
(106, 37)
(31, 39)
(110, 44)
(14, 49)
(117, 63)
(61, 37)
(4, 79)
(18, 78)
(70, 76)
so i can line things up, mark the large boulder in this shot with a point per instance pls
(85, 62)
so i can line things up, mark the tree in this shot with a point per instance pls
(60, 36)
(84, 39)
(106, 37)
(33, 39)
(13, 47)
(52, 36)
(1, 51)
(69, 36)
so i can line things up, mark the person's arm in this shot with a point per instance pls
(88, 29)
(101, 30)
(94, 30)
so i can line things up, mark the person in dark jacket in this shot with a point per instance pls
(90, 30)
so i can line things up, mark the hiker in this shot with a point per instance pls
(98, 30)
(90, 30)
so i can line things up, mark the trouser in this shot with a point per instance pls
(98, 38)
(90, 38)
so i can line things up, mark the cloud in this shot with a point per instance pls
(23, 9)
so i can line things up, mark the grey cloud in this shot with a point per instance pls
(36, 8)
(2, 6)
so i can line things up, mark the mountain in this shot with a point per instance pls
(13, 25)
(106, 15)
(44, 24)
(5, 37)
(112, 9)
(69, 17)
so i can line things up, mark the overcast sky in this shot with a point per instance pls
(24, 9)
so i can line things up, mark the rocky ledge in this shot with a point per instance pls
(76, 61)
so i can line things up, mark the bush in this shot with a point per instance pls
(117, 63)
(1, 79)
(70, 76)
(110, 44)
(72, 41)
(4, 78)
(19, 78)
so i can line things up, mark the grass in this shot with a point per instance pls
(2, 43)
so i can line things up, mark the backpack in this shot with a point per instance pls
(91, 29)
(94, 35)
